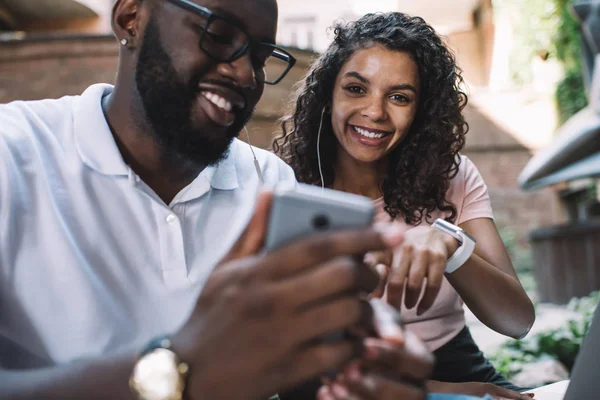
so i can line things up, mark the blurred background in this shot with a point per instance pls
(525, 75)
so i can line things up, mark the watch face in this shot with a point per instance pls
(156, 376)
(446, 226)
(450, 229)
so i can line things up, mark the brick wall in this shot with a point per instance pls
(32, 70)
(514, 208)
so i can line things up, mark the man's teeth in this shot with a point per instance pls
(218, 101)
(368, 134)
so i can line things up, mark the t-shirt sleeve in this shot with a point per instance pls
(475, 200)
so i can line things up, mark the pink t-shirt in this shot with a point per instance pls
(445, 319)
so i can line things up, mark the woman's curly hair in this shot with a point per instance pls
(422, 165)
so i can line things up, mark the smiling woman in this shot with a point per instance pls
(419, 59)
(380, 114)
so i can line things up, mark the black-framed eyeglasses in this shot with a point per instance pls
(224, 41)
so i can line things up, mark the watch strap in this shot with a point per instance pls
(465, 248)
(461, 255)
(159, 342)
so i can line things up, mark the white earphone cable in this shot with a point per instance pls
(256, 164)
(319, 149)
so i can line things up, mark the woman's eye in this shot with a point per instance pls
(354, 89)
(400, 98)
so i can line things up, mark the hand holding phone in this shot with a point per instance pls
(305, 210)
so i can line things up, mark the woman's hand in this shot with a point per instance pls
(421, 258)
(477, 389)
(497, 298)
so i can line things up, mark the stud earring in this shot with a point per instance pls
(124, 42)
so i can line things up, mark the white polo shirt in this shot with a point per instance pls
(91, 260)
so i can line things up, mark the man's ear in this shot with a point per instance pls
(126, 20)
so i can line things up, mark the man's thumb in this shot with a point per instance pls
(252, 239)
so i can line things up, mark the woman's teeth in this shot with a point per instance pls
(218, 101)
(365, 133)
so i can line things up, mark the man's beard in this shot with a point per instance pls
(168, 104)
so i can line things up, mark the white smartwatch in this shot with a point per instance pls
(465, 248)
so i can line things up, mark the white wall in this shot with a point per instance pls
(297, 17)
(104, 10)
(446, 16)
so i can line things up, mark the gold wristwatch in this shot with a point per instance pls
(158, 373)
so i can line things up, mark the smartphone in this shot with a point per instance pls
(304, 210)
(301, 211)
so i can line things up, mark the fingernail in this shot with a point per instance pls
(369, 258)
(391, 234)
(339, 390)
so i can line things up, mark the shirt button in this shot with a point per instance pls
(171, 219)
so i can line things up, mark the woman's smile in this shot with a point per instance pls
(368, 136)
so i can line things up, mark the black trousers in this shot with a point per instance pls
(459, 360)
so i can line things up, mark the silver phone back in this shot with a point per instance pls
(299, 212)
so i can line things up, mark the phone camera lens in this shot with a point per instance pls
(321, 222)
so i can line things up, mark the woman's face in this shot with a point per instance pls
(375, 100)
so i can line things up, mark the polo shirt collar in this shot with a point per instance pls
(98, 149)
(93, 138)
